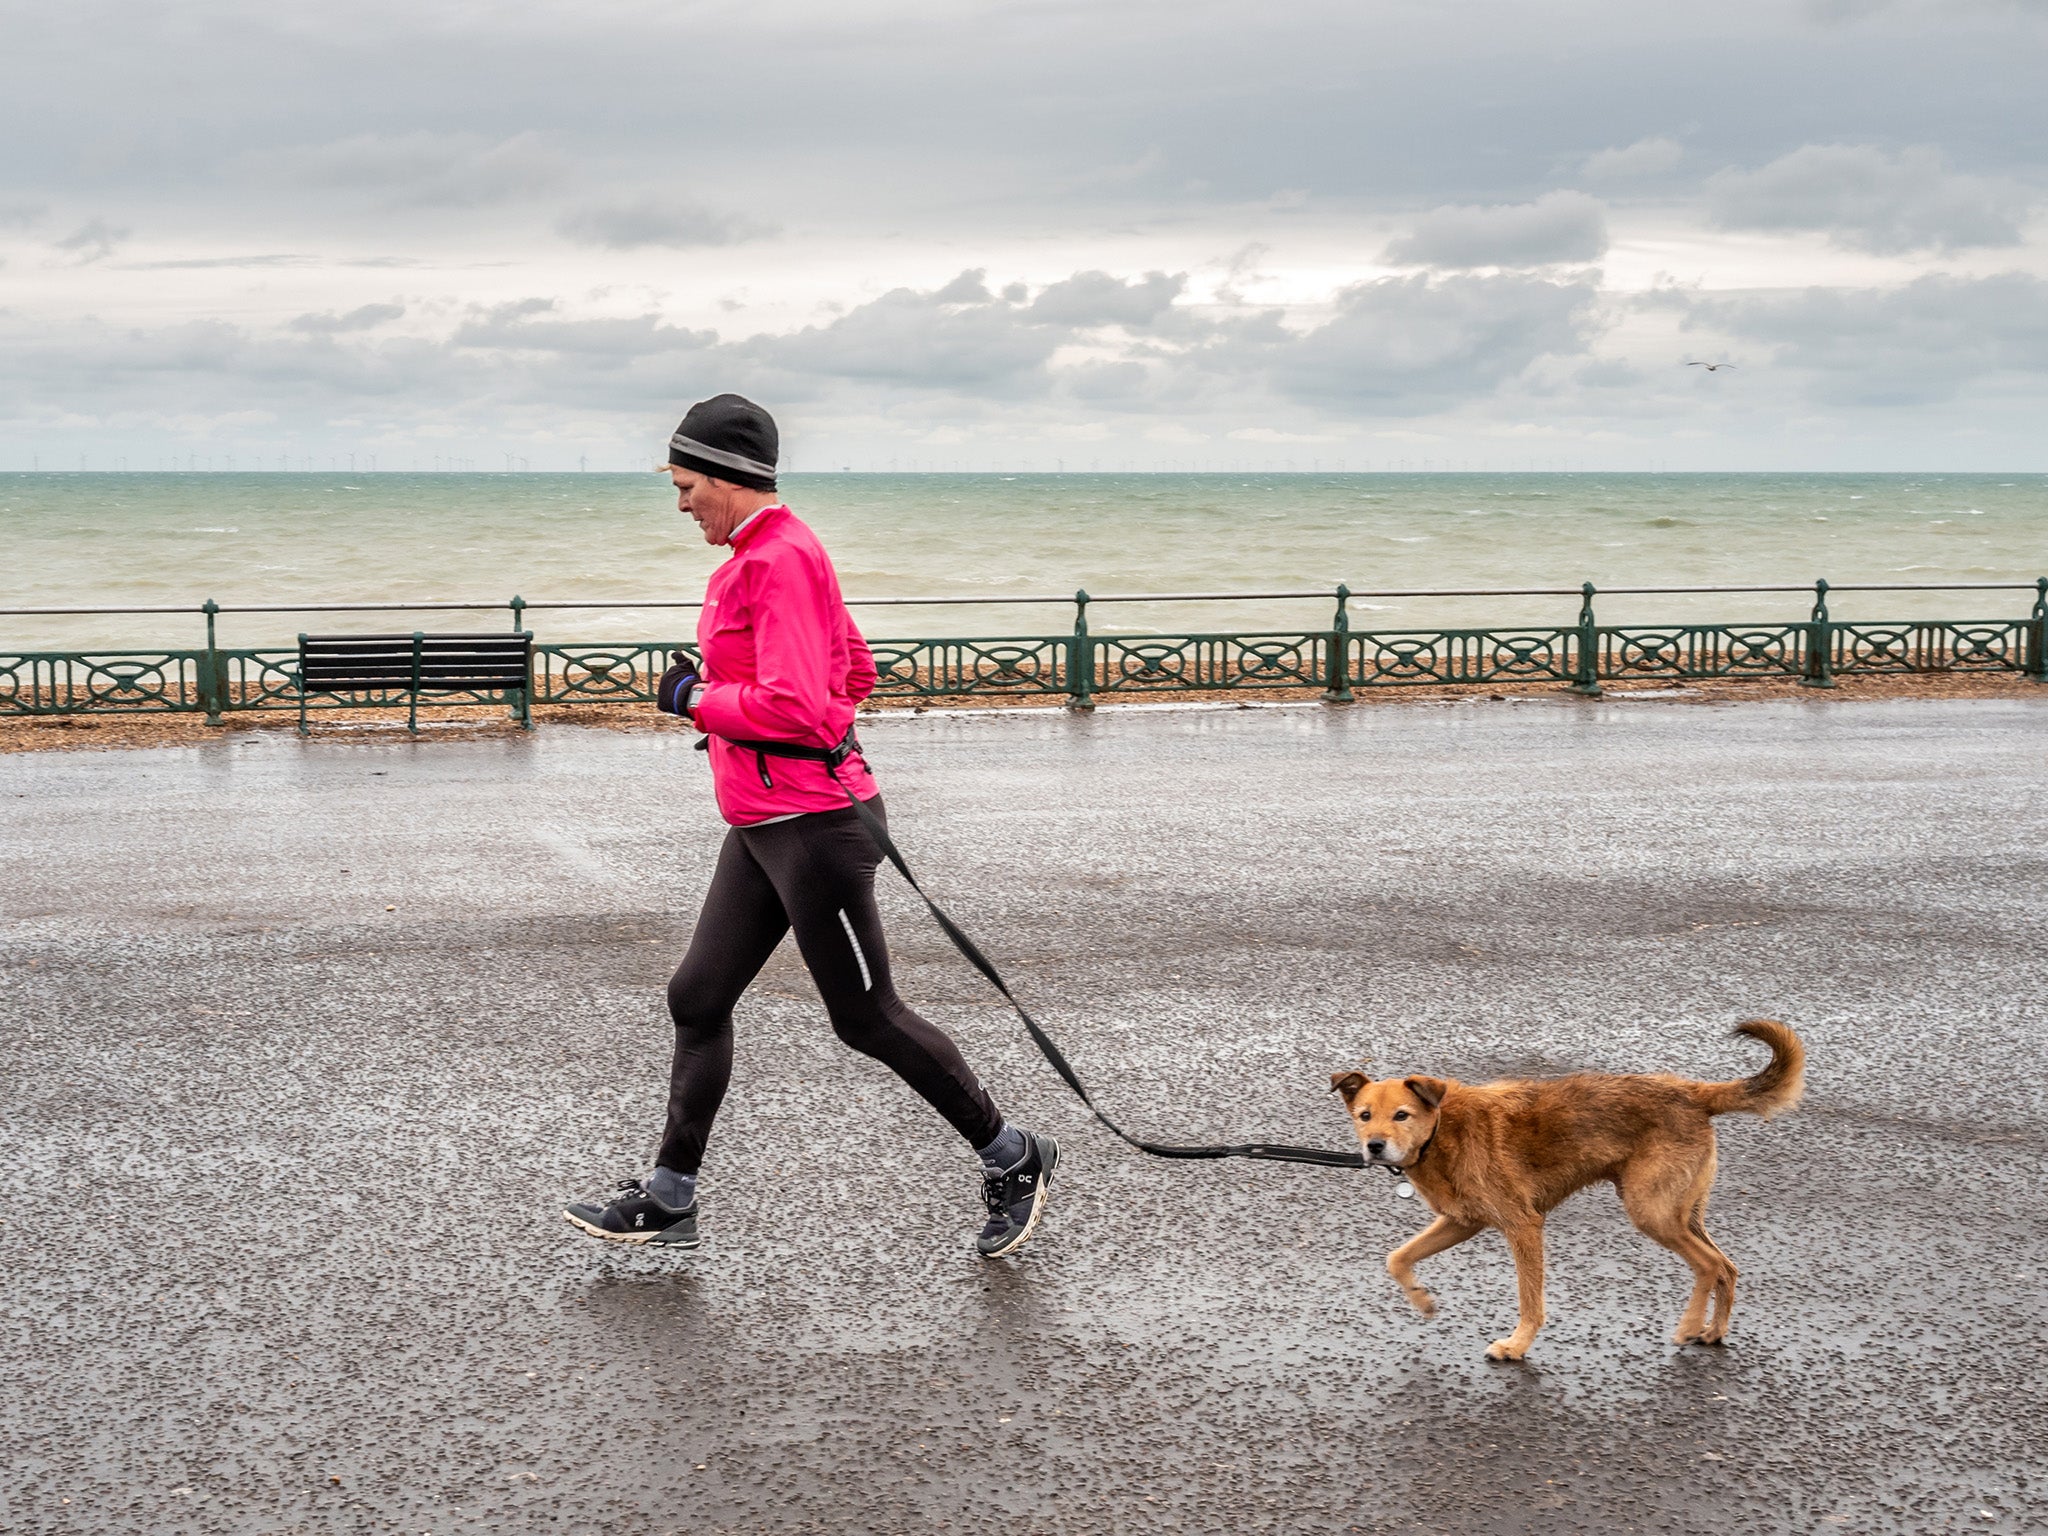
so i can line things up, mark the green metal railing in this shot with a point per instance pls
(1083, 665)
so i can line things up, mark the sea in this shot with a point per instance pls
(140, 540)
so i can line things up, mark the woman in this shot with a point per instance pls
(782, 663)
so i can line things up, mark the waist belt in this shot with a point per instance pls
(832, 757)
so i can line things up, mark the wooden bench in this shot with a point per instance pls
(497, 664)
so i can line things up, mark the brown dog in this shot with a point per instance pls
(1506, 1154)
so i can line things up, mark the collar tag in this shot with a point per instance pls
(1404, 1191)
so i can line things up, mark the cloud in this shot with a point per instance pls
(971, 287)
(1864, 199)
(1408, 345)
(92, 241)
(203, 263)
(1274, 435)
(21, 215)
(420, 169)
(1241, 271)
(1122, 383)
(1557, 227)
(1840, 12)
(363, 319)
(1910, 345)
(678, 226)
(959, 336)
(1640, 161)
(1089, 299)
(212, 368)
(523, 326)
(276, 259)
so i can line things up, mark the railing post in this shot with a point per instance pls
(1337, 671)
(213, 682)
(1820, 642)
(2038, 671)
(1586, 676)
(1081, 658)
(524, 710)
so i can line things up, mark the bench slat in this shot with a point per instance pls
(402, 666)
(498, 636)
(404, 690)
(356, 643)
(499, 652)
(333, 681)
(405, 663)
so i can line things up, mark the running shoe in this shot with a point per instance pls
(1016, 1197)
(635, 1216)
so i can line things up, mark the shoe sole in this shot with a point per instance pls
(632, 1239)
(1038, 1200)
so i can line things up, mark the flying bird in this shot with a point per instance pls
(1710, 367)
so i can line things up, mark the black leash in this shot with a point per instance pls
(1259, 1151)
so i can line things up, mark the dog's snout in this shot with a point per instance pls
(1376, 1147)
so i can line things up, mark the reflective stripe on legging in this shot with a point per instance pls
(867, 982)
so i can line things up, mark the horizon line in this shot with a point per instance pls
(1008, 474)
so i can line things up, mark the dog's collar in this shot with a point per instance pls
(1401, 1170)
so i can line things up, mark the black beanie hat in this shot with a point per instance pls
(729, 438)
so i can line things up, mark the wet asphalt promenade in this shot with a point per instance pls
(302, 1046)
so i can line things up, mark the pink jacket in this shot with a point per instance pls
(782, 661)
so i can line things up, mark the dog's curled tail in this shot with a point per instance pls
(1773, 1090)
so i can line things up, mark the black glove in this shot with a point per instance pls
(672, 693)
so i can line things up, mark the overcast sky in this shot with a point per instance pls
(1113, 232)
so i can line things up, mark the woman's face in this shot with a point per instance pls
(717, 506)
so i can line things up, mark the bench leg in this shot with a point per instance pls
(302, 709)
(412, 717)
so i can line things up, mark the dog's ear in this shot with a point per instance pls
(1430, 1090)
(1348, 1083)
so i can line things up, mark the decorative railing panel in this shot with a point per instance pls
(1172, 663)
(1418, 658)
(113, 683)
(1021, 666)
(266, 680)
(1998, 646)
(598, 674)
(1704, 650)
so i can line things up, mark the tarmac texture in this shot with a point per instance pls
(303, 1045)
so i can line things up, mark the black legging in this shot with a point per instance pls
(816, 874)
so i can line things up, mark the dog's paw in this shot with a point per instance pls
(1421, 1300)
(1504, 1349)
(1686, 1336)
